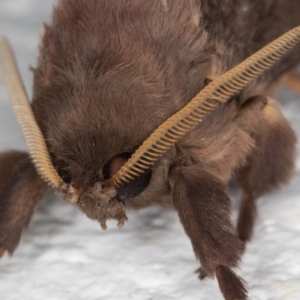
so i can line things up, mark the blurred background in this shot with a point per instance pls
(63, 255)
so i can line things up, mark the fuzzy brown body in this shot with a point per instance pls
(176, 49)
(110, 72)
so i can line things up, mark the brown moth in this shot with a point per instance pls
(138, 103)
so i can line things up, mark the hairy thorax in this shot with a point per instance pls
(220, 145)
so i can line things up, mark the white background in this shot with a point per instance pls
(64, 255)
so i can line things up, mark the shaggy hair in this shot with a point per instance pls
(110, 72)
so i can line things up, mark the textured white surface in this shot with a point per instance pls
(64, 255)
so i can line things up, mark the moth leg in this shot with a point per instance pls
(292, 81)
(204, 210)
(269, 166)
(201, 273)
(247, 216)
(9, 162)
(21, 189)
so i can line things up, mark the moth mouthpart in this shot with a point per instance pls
(69, 192)
(104, 192)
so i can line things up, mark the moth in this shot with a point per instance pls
(137, 103)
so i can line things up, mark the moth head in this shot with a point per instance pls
(105, 201)
(126, 175)
(97, 185)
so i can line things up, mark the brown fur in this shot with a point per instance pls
(19, 196)
(270, 165)
(204, 210)
(232, 287)
(109, 72)
(9, 161)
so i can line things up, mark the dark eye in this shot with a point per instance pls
(134, 187)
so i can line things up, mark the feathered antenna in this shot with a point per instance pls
(218, 91)
(22, 108)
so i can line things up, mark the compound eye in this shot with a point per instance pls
(134, 187)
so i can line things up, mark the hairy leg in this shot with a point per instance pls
(270, 165)
(21, 189)
(9, 162)
(204, 210)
